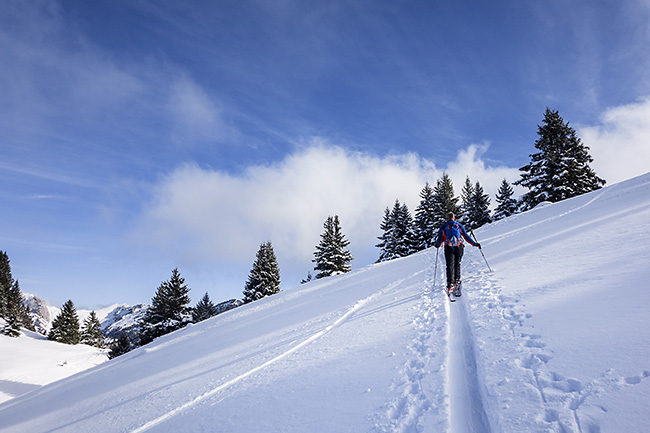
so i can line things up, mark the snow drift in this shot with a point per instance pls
(554, 340)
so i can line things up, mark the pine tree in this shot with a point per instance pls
(506, 204)
(24, 315)
(398, 239)
(16, 312)
(204, 309)
(425, 219)
(12, 327)
(169, 310)
(478, 212)
(91, 331)
(6, 281)
(444, 200)
(406, 229)
(560, 169)
(121, 346)
(264, 278)
(386, 238)
(65, 327)
(12, 304)
(466, 195)
(9, 303)
(331, 255)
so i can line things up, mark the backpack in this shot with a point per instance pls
(452, 234)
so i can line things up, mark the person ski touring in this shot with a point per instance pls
(451, 234)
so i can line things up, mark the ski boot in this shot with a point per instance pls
(457, 289)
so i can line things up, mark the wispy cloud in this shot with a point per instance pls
(41, 173)
(196, 116)
(50, 77)
(46, 197)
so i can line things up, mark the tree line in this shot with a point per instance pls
(559, 170)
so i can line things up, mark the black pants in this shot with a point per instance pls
(453, 256)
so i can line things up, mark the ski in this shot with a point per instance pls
(450, 295)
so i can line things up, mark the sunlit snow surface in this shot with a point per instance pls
(556, 339)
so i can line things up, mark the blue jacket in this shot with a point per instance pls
(452, 233)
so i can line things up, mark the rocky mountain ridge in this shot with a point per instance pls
(115, 319)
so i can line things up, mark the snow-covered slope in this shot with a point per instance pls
(556, 339)
(31, 360)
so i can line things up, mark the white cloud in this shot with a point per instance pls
(212, 216)
(620, 145)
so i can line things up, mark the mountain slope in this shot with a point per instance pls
(31, 360)
(555, 339)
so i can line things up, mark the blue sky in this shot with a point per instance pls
(139, 136)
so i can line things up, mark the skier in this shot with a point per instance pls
(451, 234)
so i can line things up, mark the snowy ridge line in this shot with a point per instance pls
(560, 233)
(544, 221)
(248, 373)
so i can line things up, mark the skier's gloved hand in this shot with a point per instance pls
(478, 245)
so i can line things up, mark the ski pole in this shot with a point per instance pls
(435, 269)
(480, 249)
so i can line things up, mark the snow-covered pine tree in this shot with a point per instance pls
(332, 256)
(91, 331)
(506, 203)
(406, 229)
(425, 219)
(479, 208)
(398, 239)
(12, 327)
(65, 327)
(17, 313)
(445, 200)
(12, 304)
(22, 310)
(6, 281)
(169, 310)
(264, 278)
(120, 346)
(560, 169)
(204, 309)
(466, 195)
(386, 245)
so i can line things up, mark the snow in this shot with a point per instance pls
(31, 360)
(556, 339)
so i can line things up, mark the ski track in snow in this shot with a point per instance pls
(466, 411)
(439, 387)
